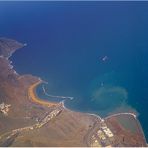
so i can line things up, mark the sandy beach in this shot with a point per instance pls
(34, 98)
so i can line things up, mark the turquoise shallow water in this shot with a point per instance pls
(95, 52)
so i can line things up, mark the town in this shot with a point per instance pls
(102, 137)
(4, 108)
(47, 117)
(42, 122)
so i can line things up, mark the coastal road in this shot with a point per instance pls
(118, 114)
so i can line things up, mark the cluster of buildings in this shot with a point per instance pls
(4, 108)
(102, 137)
(107, 131)
(54, 113)
(95, 142)
(22, 129)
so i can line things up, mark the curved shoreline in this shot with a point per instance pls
(34, 98)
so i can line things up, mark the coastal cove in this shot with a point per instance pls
(119, 115)
(40, 114)
(69, 55)
(71, 102)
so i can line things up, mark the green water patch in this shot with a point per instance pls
(109, 97)
(107, 94)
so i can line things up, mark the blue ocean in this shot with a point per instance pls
(95, 54)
